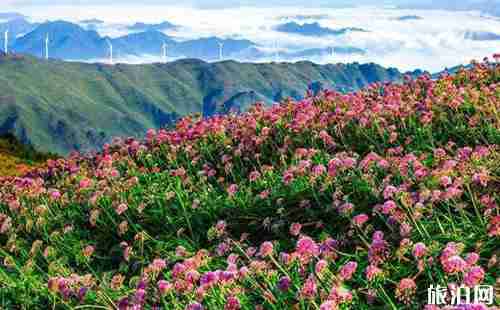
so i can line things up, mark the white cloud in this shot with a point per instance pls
(432, 43)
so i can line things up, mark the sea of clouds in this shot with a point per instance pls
(432, 43)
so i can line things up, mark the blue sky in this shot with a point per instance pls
(491, 7)
(217, 3)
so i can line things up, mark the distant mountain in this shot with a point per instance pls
(408, 17)
(313, 29)
(140, 43)
(326, 51)
(72, 42)
(305, 17)
(152, 27)
(208, 48)
(67, 41)
(254, 53)
(63, 106)
(481, 36)
(17, 27)
(94, 21)
(91, 24)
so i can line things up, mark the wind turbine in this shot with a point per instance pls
(332, 51)
(349, 39)
(47, 46)
(164, 51)
(6, 42)
(110, 51)
(221, 46)
(277, 53)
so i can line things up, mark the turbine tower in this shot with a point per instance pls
(221, 46)
(6, 42)
(332, 51)
(164, 52)
(348, 36)
(47, 47)
(110, 51)
(277, 53)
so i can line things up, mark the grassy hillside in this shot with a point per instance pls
(358, 201)
(60, 106)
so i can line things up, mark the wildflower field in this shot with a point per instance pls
(339, 201)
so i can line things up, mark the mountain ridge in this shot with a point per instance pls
(70, 41)
(74, 42)
(64, 106)
(314, 29)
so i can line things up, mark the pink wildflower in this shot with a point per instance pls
(360, 219)
(266, 249)
(121, 208)
(164, 287)
(333, 167)
(388, 207)
(55, 194)
(254, 176)
(494, 226)
(454, 264)
(307, 247)
(318, 170)
(348, 270)
(405, 290)
(295, 229)
(445, 181)
(232, 190)
(264, 194)
(481, 178)
(472, 258)
(340, 294)
(88, 251)
(379, 249)
(159, 264)
(328, 305)
(419, 250)
(309, 289)
(288, 177)
(346, 208)
(389, 191)
(474, 276)
(194, 306)
(232, 303)
(209, 278)
(220, 228)
(372, 272)
(320, 266)
(85, 183)
(405, 230)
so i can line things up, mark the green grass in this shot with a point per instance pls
(62, 106)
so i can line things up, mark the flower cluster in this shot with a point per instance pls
(338, 201)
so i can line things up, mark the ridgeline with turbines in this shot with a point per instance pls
(71, 41)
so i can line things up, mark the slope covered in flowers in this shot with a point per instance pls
(357, 201)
